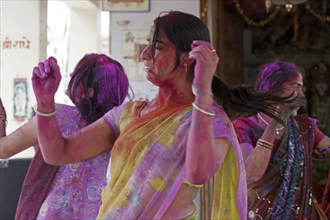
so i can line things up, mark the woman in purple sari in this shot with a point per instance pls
(72, 191)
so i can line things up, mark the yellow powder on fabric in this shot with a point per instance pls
(157, 184)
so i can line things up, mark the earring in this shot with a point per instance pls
(185, 67)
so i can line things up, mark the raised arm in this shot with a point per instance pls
(17, 141)
(204, 152)
(56, 149)
(324, 145)
(322, 149)
(257, 161)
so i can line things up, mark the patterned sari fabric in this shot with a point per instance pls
(285, 190)
(35, 187)
(147, 166)
(71, 191)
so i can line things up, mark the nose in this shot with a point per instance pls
(299, 90)
(146, 53)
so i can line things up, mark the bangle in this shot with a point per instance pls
(4, 120)
(202, 110)
(265, 144)
(44, 114)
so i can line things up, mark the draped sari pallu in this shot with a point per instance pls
(147, 165)
(72, 191)
(229, 193)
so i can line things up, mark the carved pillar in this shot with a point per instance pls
(230, 45)
(227, 37)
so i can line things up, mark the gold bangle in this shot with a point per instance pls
(44, 114)
(202, 110)
(265, 144)
(262, 144)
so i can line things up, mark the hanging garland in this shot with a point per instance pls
(317, 15)
(203, 10)
(262, 23)
(252, 22)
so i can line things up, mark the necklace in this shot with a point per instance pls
(277, 130)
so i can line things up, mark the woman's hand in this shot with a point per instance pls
(206, 64)
(290, 109)
(46, 78)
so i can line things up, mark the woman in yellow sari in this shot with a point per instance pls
(163, 150)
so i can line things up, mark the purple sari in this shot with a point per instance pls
(72, 191)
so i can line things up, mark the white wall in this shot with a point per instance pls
(18, 19)
(84, 37)
(83, 34)
(22, 19)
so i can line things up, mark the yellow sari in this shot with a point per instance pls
(148, 164)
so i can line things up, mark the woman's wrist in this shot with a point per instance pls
(203, 97)
(205, 112)
(44, 114)
(264, 144)
(45, 107)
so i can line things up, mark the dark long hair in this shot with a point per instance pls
(108, 80)
(182, 29)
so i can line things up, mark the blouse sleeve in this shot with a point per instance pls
(112, 118)
(242, 128)
(221, 123)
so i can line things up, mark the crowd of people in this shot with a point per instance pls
(164, 150)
